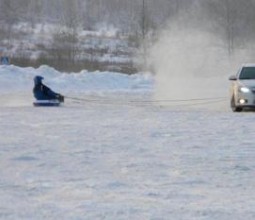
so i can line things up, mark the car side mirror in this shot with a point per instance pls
(232, 78)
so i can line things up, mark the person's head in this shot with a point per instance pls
(38, 80)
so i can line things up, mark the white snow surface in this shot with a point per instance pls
(114, 159)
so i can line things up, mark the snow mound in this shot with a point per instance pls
(14, 79)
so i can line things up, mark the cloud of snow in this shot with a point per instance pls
(191, 62)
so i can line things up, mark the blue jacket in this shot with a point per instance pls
(42, 92)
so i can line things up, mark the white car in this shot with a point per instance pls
(242, 89)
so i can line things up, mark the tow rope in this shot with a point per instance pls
(173, 102)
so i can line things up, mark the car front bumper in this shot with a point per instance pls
(245, 100)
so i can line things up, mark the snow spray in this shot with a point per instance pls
(191, 62)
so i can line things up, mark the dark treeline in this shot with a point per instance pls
(231, 20)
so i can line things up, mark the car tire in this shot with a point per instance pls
(233, 105)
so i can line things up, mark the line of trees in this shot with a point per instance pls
(231, 20)
(234, 17)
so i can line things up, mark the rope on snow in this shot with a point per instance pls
(174, 102)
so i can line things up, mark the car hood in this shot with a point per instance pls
(247, 83)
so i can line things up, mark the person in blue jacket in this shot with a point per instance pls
(42, 92)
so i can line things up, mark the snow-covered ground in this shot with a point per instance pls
(113, 158)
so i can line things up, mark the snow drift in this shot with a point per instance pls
(14, 78)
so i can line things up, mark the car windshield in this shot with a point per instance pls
(247, 73)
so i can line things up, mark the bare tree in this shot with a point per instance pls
(231, 20)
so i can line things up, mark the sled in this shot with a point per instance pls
(46, 103)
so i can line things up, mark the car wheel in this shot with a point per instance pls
(233, 105)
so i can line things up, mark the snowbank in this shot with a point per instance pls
(13, 79)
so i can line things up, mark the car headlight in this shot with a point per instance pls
(245, 90)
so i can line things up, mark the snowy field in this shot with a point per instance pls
(112, 158)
